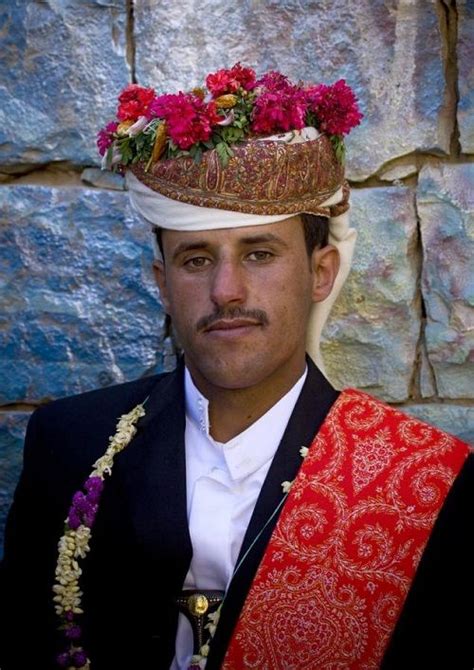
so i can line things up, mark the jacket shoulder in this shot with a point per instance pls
(79, 426)
(118, 398)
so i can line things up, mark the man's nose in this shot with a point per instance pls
(228, 283)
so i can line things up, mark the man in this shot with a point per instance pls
(336, 527)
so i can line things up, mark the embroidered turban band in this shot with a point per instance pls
(268, 176)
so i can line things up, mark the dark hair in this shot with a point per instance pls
(316, 232)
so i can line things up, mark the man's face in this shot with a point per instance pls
(240, 300)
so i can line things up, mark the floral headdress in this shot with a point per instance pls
(233, 106)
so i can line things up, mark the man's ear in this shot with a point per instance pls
(160, 277)
(324, 266)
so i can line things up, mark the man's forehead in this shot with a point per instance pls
(285, 229)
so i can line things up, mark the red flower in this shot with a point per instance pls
(245, 76)
(188, 118)
(134, 101)
(229, 81)
(335, 107)
(277, 111)
(105, 137)
(221, 82)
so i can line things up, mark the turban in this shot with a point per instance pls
(239, 152)
(267, 180)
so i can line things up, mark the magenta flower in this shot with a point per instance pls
(277, 111)
(84, 506)
(73, 633)
(188, 118)
(64, 659)
(275, 82)
(73, 519)
(94, 487)
(335, 107)
(79, 658)
(105, 137)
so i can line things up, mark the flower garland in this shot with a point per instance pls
(74, 544)
(233, 106)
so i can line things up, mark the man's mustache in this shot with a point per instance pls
(206, 322)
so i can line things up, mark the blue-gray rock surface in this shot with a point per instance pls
(455, 419)
(391, 53)
(465, 53)
(12, 431)
(371, 336)
(445, 201)
(80, 306)
(62, 66)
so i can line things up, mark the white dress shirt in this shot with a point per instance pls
(223, 481)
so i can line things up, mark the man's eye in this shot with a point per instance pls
(197, 262)
(260, 256)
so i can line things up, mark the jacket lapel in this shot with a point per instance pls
(153, 468)
(314, 402)
(141, 548)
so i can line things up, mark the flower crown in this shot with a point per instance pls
(234, 106)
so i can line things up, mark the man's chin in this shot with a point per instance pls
(224, 374)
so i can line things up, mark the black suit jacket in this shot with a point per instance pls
(141, 549)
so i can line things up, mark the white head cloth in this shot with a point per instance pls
(164, 212)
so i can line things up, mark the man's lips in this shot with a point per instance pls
(231, 324)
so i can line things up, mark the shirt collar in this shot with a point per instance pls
(245, 453)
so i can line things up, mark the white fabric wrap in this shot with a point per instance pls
(164, 212)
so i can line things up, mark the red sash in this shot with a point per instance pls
(339, 564)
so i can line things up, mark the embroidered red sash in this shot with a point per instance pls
(339, 564)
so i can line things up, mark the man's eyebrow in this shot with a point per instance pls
(189, 246)
(262, 238)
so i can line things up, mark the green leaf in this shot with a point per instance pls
(108, 157)
(222, 152)
(126, 151)
(339, 147)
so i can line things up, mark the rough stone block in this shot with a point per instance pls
(12, 431)
(427, 378)
(370, 339)
(465, 53)
(446, 208)
(103, 179)
(80, 306)
(391, 53)
(455, 419)
(63, 64)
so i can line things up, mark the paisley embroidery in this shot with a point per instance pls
(341, 559)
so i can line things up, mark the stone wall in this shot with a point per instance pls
(79, 306)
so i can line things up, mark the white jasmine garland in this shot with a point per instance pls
(74, 544)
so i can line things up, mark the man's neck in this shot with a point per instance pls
(231, 411)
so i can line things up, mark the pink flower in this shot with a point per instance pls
(335, 107)
(277, 111)
(188, 118)
(134, 101)
(105, 137)
(274, 81)
(229, 81)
